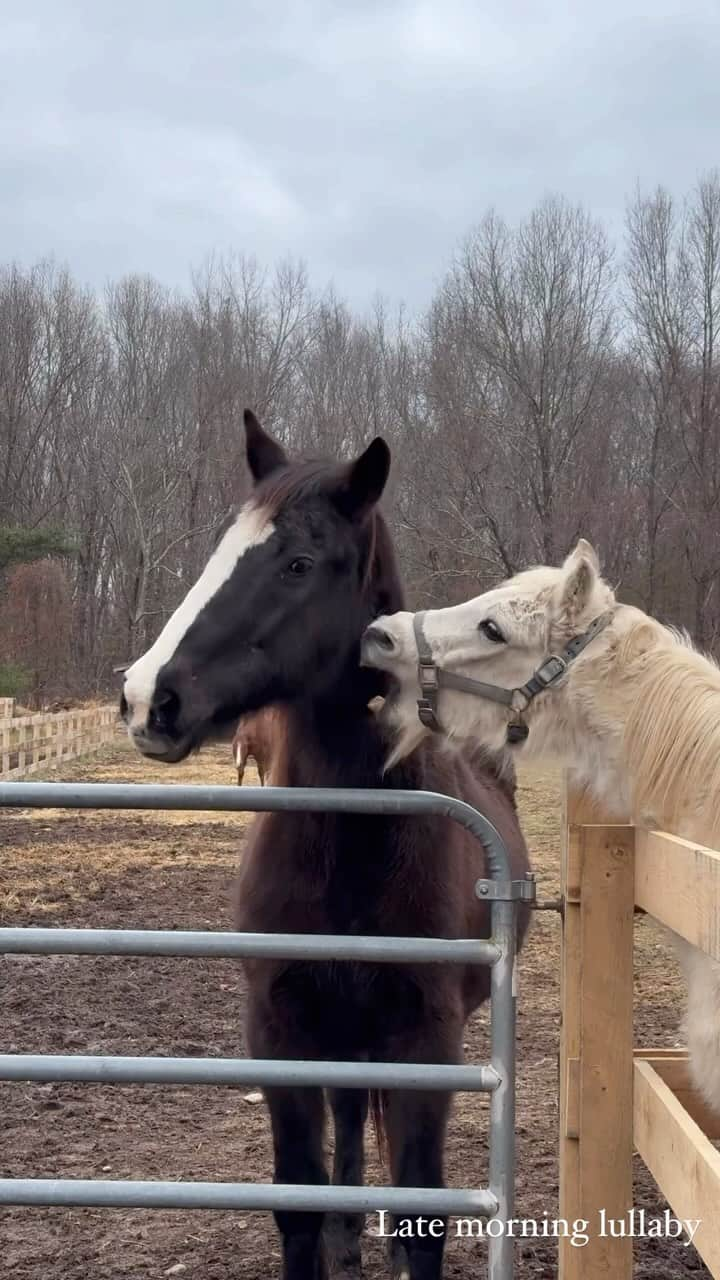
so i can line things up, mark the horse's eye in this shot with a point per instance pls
(491, 631)
(299, 567)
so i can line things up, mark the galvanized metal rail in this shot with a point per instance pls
(85, 1192)
(268, 946)
(244, 1071)
(498, 1078)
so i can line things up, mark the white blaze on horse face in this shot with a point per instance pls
(250, 529)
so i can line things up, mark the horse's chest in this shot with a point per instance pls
(356, 883)
(340, 1002)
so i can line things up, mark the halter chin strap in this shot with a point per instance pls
(433, 678)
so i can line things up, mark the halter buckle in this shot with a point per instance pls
(428, 674)
(427, 716)
(552, 670)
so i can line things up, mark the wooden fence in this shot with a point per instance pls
(613, 1098)
(34, 742)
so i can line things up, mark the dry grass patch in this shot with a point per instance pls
(121, 763)
(56, 858)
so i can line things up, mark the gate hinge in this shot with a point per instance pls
(506, 890)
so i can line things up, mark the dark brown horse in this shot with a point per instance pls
(277, 617)
(256, 736)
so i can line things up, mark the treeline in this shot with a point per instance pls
(556, 386)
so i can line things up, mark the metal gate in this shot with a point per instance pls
(494, 1204)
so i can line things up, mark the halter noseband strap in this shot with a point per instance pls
(432, 678)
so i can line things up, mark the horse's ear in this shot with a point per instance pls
(363, 481)
(263, 453)
(581, 574)
(586, 549)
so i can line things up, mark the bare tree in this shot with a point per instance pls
(674, 306)
(521, 342)
(533, 402)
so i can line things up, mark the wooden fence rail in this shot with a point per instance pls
(33, 742)
(614, 1099)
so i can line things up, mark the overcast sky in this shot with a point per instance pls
(363, 137)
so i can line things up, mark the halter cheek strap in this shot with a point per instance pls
(432, 678)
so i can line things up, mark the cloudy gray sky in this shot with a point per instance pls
(365, 136)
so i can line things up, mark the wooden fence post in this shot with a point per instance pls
(596, 1046)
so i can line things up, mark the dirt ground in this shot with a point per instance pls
(176, 871)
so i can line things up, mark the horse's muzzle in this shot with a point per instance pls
(157, 747)
(377, 647)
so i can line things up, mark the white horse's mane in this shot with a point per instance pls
(672, 730)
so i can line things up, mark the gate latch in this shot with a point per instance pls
(507, 890)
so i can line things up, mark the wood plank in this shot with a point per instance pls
(578, 808)
(672, 1067)
(682, 1160)
(606, 1062)
(596, 1035)
(678, 882)
(569, 1154)
(653, 1054)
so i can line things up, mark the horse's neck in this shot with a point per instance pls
(331, 745)
(587, 728)
(579, 729)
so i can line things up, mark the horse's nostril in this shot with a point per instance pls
(164, 710)
(381, 637)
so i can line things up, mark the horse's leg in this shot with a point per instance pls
(261, 772)
(298, 1120)
(415, 1127)
(241, 761)
(297, 1117)
(415, 1124)
(343, 1230)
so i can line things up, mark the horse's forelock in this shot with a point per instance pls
(288, 485)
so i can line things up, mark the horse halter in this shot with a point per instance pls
(432, 678)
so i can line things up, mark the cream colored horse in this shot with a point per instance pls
(635, 718)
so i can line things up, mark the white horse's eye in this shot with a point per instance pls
(491, 631)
